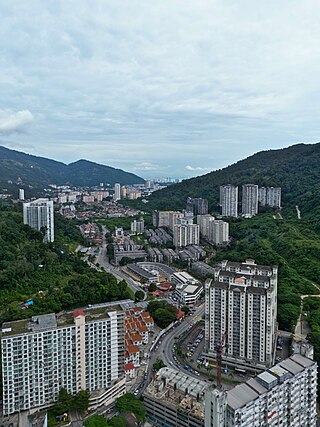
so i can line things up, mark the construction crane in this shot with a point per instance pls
(219, 346)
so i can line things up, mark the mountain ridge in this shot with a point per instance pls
(38, 171)
(296, 169)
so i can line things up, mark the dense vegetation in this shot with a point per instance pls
(295, 169)
(162, 312)
(100, 421)
(50, 275)
(128, 404)
(39, 171)
(290, 244)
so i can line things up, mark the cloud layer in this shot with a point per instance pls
(12, 122)
(155, 86)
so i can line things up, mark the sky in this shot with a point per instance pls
(161, 88)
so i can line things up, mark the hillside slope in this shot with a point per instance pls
(296, 169)
(39, 171)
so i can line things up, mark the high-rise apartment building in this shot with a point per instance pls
(218, 232)
(197, 205)
(229, 200)
(117, 192)
(137, 226)
(249, 200)
(284, 395)
(241, 306)
(76, 351)
(185, 235)
(174, 218)
(270, 196)
(39, 214)
(21, 194)
(204, 222)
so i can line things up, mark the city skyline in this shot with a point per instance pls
(158, 89)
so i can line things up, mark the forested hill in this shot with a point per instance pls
(296, 169)
(50, 275)
(39, 171)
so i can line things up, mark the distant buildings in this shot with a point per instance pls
(284, 395)
(161, 218)
(72, 350)
(229, 200)
(21, 194)
(39, 214)
(241, 306)
(214, 231)
(249, 200)
(117, 192)
(218, 232)
(204, 222)
(137, 226)
(251, 196)
(185, 235)
(198, 205)
(270, 196)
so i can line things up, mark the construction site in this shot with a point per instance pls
(174, 398)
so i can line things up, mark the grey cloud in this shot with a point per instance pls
(12, 122)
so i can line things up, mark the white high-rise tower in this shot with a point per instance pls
(39, 214)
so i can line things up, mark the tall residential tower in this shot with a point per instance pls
(39, 214)
(241, 305)
(229, 200)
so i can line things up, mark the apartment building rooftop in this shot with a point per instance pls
(52, 321)
(244, 393)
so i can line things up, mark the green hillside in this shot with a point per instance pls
(295, 169)
(49, 274)
(38, 171)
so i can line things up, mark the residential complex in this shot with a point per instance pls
(270, 196)
(185, 235)
(249, 200)
(138, 325)
(80, 350)
(229, 200)
(137, 226)
(197, 206)
(39, 214)
(218, 232)
(284, 395)
(241, 308)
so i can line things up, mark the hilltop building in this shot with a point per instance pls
(72, 350)
(229, 200)
(249, 200)
(241, 305)
(39, 214)
(270, 196)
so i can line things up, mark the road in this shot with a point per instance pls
(103, 260)
(164, 350)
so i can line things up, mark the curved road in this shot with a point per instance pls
(164, 349)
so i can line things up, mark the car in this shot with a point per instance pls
(136, 392)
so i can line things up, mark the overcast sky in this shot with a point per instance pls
(158, 87)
